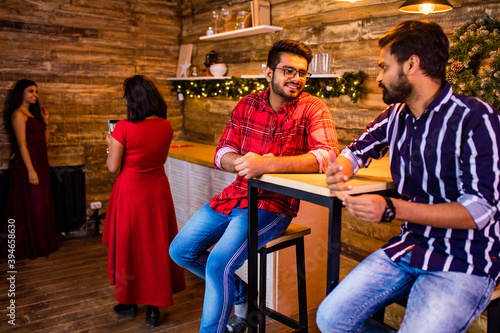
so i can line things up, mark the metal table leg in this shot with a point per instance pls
(334, 220)
(253, 310)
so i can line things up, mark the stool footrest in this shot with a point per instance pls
(283, 319)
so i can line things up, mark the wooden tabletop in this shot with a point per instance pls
(377, 177)
(193, 152)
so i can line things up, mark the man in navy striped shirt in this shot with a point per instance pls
(444, 159)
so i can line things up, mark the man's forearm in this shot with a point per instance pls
(306, 163)
(227, 161)
(444, 215)
(252, 165)
(347, 169)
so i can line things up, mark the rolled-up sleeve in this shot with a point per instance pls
(481, 211)
(480, 167)
(221, 152)
(322, 135)
(230, 139)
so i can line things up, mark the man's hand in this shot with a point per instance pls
(251, 165)
(334, 176)
(367, 207)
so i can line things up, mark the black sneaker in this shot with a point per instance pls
(236, 325)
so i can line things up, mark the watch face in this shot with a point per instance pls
(388, 215)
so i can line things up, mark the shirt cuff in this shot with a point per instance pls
(322, 158)
(482, 212)
(221, 152)
(356, 162)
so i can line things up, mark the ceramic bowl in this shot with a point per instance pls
(218, 70)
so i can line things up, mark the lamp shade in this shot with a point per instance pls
(425, 6)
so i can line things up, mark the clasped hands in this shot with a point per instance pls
(367, 207)
(251, 165)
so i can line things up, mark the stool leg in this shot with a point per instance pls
(379, 316)
(493, 316)
(262, 290)
(301, 284)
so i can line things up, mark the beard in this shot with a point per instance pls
(398, 91)
(280, 91)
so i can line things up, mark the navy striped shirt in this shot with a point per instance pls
(449, 154)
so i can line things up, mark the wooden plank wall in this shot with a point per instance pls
(79, 52)
(349, 31)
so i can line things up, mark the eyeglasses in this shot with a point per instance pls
(291, 72)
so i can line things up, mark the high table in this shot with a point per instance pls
(312, 188)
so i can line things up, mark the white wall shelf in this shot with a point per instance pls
(325, 76)
(260, 29)
(313, 76)
(260, 76)
(194, 78)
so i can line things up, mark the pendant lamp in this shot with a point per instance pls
(425, 6)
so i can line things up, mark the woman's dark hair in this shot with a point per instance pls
(143, 99)
(288, 46)
(422, 38)
(16, 99)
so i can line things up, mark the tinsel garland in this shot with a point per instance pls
(349, 84)
(474, 65)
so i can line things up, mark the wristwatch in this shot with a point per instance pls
(390, 211)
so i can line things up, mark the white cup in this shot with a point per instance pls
(326, 61)
(315, 66)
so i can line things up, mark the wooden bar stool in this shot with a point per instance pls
(293, 235)
(492, 312)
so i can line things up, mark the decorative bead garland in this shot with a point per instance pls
(474, 65)
(349, 84)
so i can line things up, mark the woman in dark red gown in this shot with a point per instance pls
(140, 218)
(30, 209)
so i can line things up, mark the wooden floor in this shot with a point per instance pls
(70, 292)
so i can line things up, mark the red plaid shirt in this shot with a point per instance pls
(302, 126)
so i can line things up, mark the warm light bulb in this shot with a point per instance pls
(426, 8)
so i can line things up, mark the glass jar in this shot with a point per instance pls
(240, 19)
(194, 71)
(210, 31)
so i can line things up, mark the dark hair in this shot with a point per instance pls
(288, 46)
(422, 38)
(17, 96)
(143, 99)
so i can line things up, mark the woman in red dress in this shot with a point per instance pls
(140, 219)
(30, 209)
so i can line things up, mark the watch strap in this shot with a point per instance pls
(390, 211)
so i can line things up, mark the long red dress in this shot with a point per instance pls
(31, 206)
(140, 219)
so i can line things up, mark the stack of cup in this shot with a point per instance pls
(320, 63)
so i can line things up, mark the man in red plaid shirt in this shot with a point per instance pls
(279, 130)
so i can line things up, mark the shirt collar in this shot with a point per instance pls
(288, 108)
(437, 104)
(441, 99)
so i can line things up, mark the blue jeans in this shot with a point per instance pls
(223, 287)
(437, 301)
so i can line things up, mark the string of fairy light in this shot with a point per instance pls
(350, 84)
